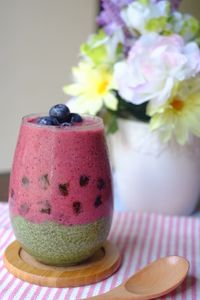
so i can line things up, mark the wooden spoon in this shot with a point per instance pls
(155, 280)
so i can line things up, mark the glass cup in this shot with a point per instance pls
(60, 197)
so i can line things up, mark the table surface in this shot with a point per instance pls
(141, 239)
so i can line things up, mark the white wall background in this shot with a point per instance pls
(39, 42)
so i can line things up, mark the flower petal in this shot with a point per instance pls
(111, 101)
(73, 89)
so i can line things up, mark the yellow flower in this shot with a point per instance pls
(92, 88)
(180, 117)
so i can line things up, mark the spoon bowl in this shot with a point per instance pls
(155, 280)
(163, 275)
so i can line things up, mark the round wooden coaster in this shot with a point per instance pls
(100, 266)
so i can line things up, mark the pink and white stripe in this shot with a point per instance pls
(141, 239)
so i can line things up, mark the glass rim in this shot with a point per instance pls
(97, 124)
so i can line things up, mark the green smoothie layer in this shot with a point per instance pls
(60, 245)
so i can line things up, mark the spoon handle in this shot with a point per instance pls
(119, 293)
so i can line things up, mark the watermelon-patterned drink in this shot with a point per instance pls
(61, 201)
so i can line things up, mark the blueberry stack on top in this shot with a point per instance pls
(60, 115)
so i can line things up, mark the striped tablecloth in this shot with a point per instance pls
(141, 238)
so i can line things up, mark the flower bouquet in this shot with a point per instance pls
(142, 69)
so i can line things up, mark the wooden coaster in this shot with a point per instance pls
(101, 265)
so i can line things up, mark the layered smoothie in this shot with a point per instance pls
(61, 201)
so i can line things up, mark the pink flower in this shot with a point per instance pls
(154, 66)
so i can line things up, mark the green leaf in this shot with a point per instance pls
(110, 121)
(97, 55)
(157, 24)
(144, 2)
(125, 110)
(95, 48)
(128, 110)
(190, 26)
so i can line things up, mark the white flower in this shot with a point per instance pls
(155, 64)
(146, 16)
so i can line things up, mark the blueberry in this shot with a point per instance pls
(75, 118)
(60, 112)
(47, 121)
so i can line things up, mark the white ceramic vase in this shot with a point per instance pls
(153, 176)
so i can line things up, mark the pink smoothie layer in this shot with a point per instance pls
(61, 174)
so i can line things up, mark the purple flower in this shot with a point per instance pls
(121, 3)
(110, 18)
